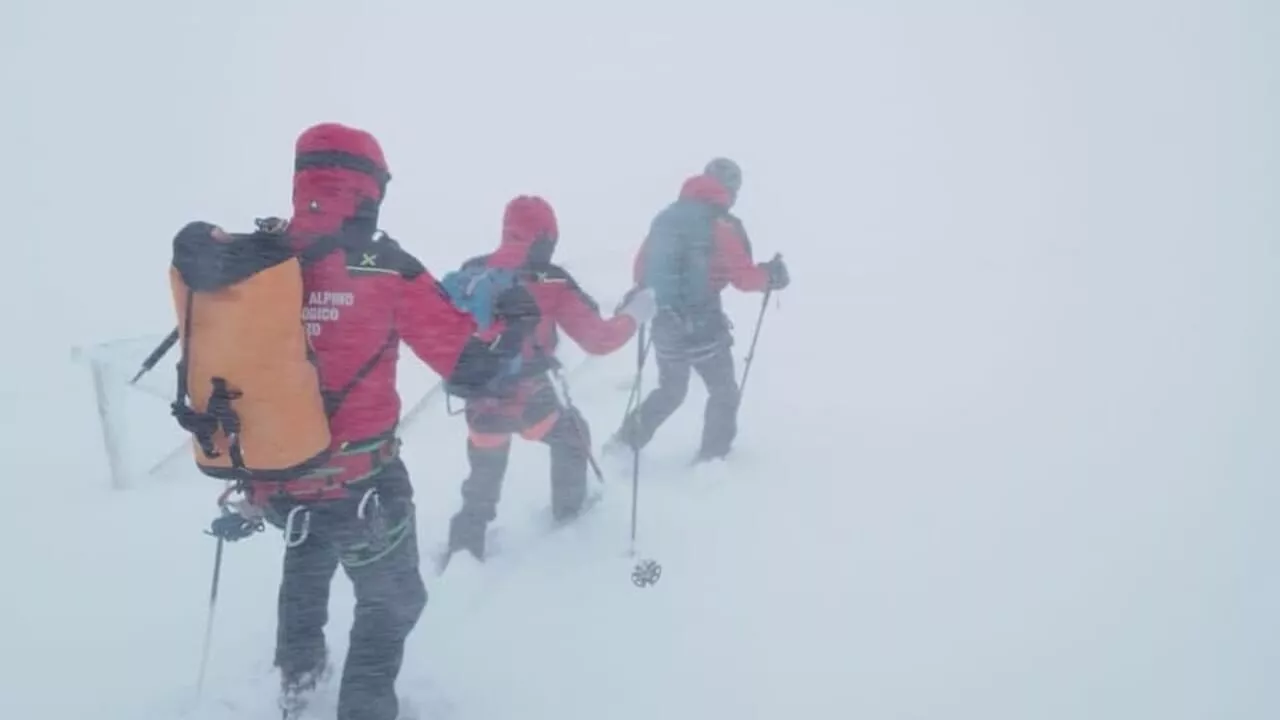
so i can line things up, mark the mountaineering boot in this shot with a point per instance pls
(619, 457)
(707, 454)
(592, 495)
(618, 452)
(704, 455)
(297, 689)
(466, 532)
(621, 442)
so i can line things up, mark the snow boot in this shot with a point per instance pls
(619, 452)
(297, 690)
(619, 443)
(705, 456)
(594, 493)
(466, 533)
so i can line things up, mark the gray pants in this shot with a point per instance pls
(536, 414)
(380, 555)
(677, 357)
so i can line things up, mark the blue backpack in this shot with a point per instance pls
(677, 257)
(475, 289)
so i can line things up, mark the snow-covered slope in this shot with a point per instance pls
(1008, 451)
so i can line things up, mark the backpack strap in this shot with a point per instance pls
(362, 256)
(319, 249)
(334, 399)
(218, 414)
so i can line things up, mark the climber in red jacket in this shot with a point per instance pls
(364, 294)
(691, 331)
(555, 302)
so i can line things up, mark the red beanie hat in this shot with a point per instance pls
(338, 170)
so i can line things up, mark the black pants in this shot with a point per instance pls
(379, 553)
(538, 415)
(678, 356)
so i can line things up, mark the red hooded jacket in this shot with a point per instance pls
(364, 292)
(731, 261)
(529, 235)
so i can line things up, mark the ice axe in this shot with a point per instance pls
(148, 364)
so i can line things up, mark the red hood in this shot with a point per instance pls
(706, 188)
(527, 220)
(337, 170)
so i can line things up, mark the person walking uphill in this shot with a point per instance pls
(528, 404)
(695, 248)
(353, 506)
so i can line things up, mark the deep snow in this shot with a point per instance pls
(1008, 452)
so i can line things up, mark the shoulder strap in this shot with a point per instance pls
(318, 249)
(183, 389)
(218, 412)
(334, 399)
(395, 261)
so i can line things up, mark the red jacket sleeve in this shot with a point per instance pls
(580, 318)
(431, 326)
(735, 263)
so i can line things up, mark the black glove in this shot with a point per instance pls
(779, 278)
(232, 526)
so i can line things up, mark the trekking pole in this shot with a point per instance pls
(751, 352)
(647, 571)
(208, 628)
(635, 446)
(634, 398)
(155, 355)
(213, 594)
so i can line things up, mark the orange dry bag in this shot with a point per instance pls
(247, 389)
